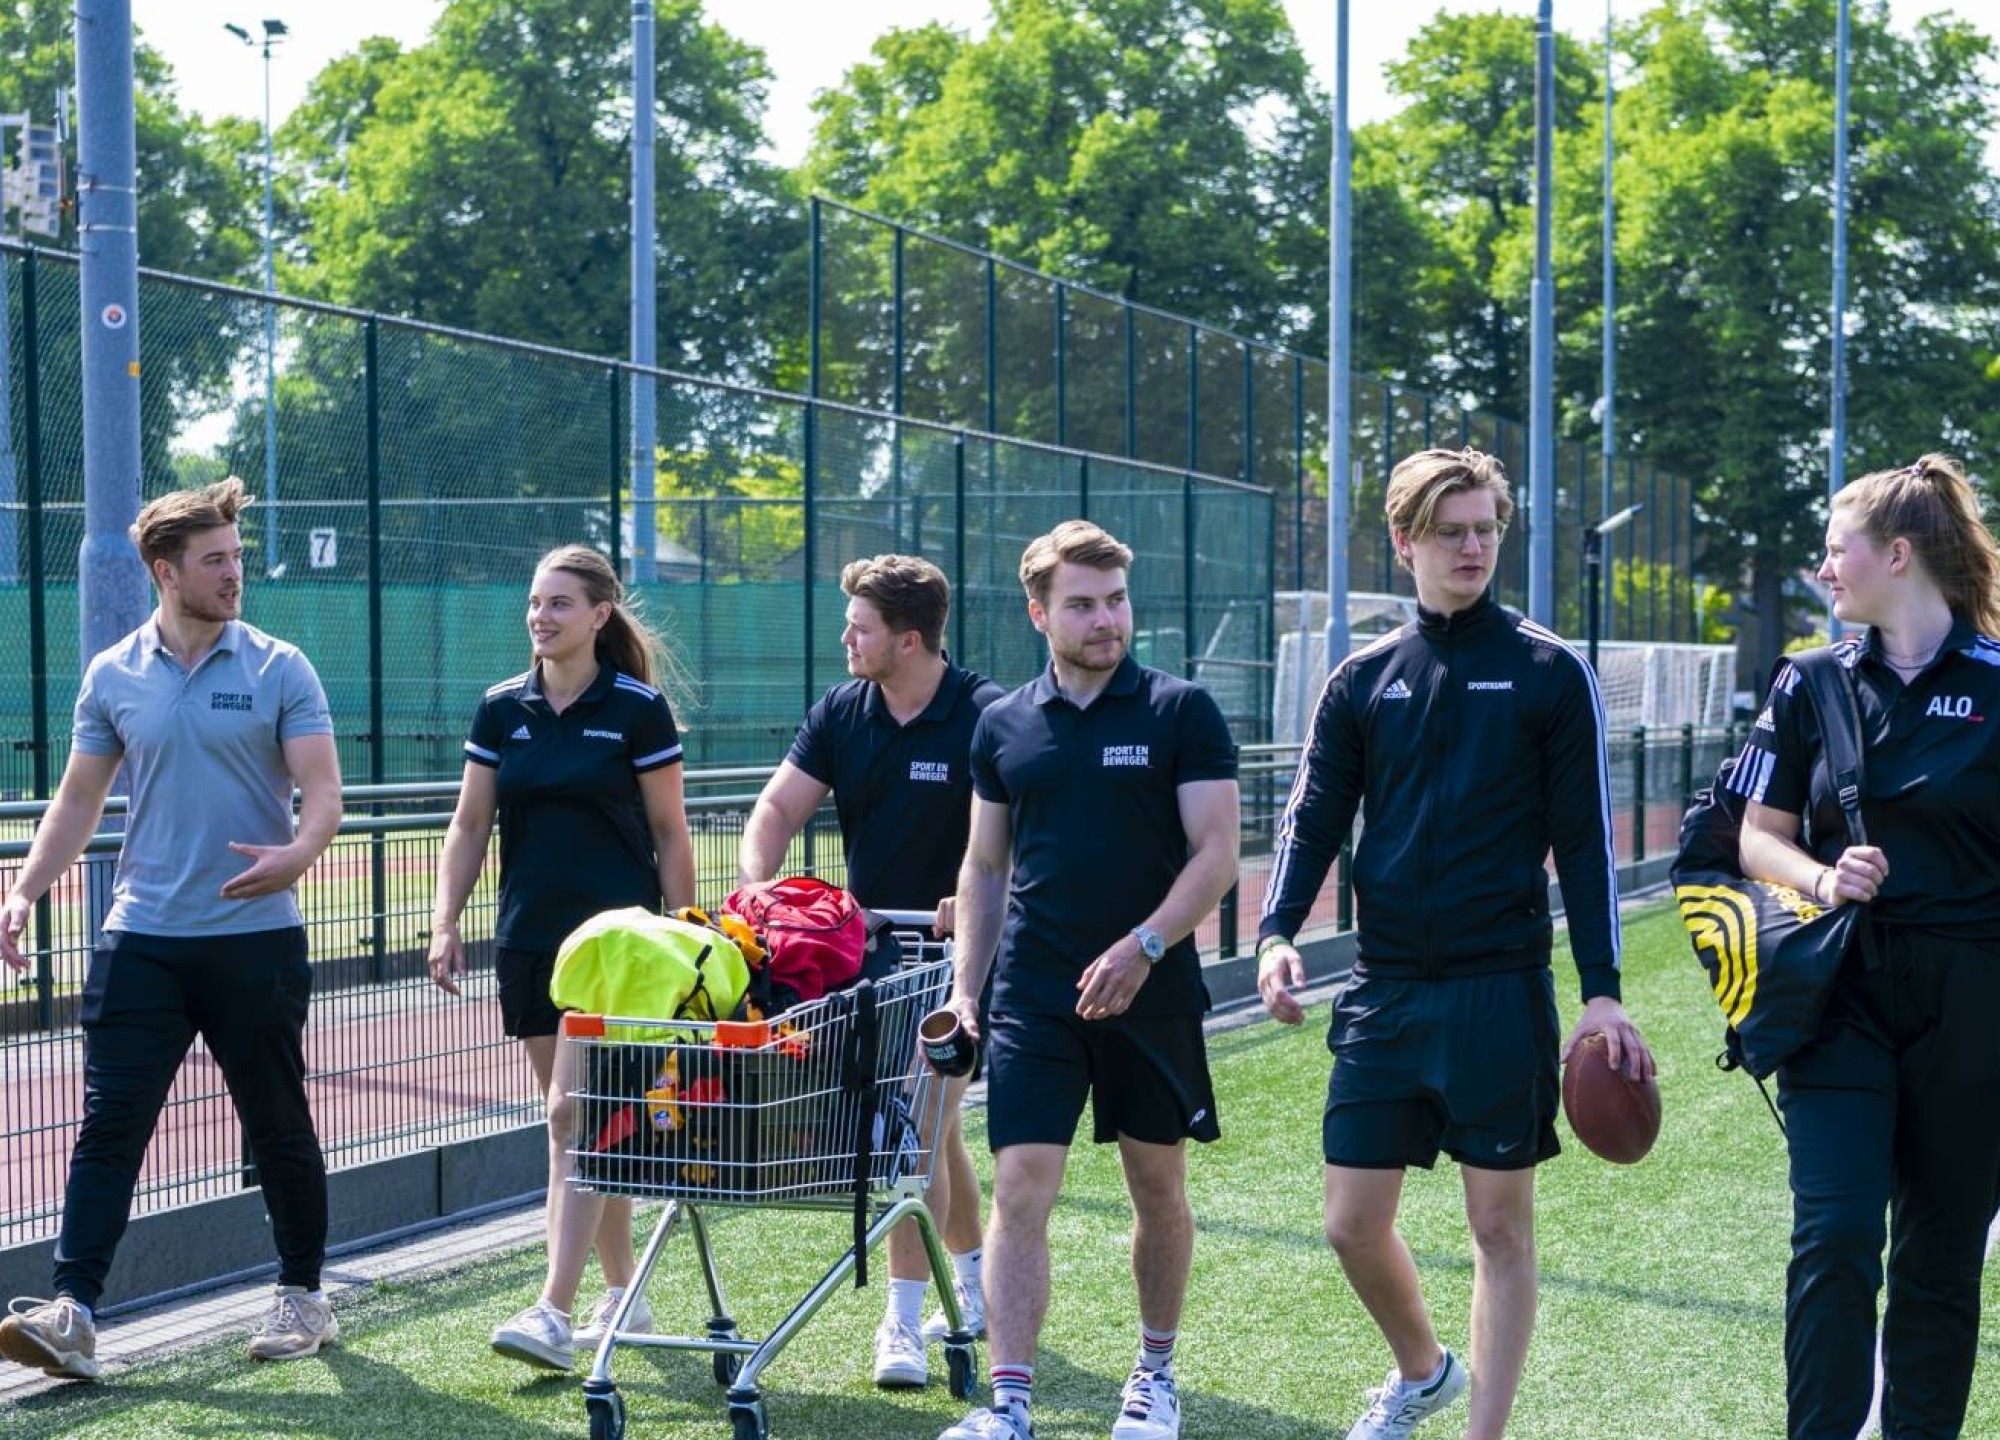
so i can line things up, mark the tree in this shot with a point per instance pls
(1462, 149)
(1724, 184)
(1161, 150)
(481, 180)
(201, 186)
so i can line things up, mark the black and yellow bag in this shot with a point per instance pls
(1770, 952)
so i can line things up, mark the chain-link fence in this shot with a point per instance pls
(915, 325)
(418, 473)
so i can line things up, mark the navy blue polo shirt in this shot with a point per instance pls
(1930, 777)
(903, 792)
(1097, 837)
(573, 832)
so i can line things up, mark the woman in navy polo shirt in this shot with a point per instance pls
(580, 761)
(1889, 1110)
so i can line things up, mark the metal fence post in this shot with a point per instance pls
(958, 556)
(1639, 792)
(1298, 473)
(378, 860)
(992, 346)
(38, 613)
(1188, 532)
(1062, 364)
(1687, 766)
(1131, 385)
(617, 470)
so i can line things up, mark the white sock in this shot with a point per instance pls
(1432, 1378)
(906, 1301)
(966, 1268)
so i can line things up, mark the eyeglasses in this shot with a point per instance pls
(1452, 537)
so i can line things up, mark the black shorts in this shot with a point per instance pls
(525, 1008)
(1146, 1077)
(1465, 1065)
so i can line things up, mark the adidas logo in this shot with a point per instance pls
(1397, 690)
(520, 734)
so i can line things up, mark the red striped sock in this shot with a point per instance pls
(1156, 1347)
(1013, 1385)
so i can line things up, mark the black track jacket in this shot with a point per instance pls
(1473, 745)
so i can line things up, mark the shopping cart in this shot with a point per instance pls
(824, 1107)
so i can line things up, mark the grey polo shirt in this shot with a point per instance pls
(205, 765)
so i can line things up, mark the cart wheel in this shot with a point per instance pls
(749, 1422)
(963, 1371)
(727, 1364)
(607, 1416)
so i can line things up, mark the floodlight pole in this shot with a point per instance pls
(8, 573)
(1609, 432)
(1542, 340)
(1593, 566)
(645, 335)
(111, 583)
(1340, 308)
(1836, 467)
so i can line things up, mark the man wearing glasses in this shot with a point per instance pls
(1472, 740)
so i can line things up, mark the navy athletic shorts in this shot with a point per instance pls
(1145, 1077)
(1464, 1065)
(525, 1008)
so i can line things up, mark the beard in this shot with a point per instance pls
(212, 609)
(1095, 657)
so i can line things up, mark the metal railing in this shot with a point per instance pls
(396, 1066)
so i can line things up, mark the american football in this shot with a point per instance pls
(1616, 1119)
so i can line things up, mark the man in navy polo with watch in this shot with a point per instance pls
(1104, 828)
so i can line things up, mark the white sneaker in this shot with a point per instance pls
(538, 1336)
(1006, 1422)
(591, 1332)
(971, 1309)
(1151, 1408)
(1399, 1407)
(52, 1336)
(297, 1326)
(900, 1362)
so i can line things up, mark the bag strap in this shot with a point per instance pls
(1832, 695)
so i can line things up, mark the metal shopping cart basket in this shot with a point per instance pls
(825, 1107)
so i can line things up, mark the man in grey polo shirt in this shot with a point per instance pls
(213, 722)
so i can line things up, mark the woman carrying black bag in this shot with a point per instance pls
(1893, 1112)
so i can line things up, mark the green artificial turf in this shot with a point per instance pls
(1661, 1308)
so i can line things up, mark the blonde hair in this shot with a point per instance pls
(1933, 506)
(1074, 542)
(165, 526)
(1422, 480)
(911, 594)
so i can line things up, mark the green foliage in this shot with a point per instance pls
(1462, 153)
(741, 507)
(1724, 179)
(1637, 585)
(481, 180)
(200, 205)
(1171, 152)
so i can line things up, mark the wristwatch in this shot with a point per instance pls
(1150, 943)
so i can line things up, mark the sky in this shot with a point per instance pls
(809, 44)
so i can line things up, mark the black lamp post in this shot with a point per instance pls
(1593, 566)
